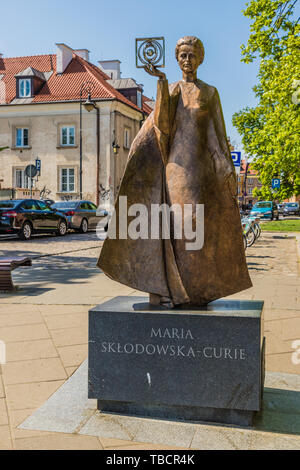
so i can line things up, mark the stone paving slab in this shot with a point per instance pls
(64, 281)
(70, 411)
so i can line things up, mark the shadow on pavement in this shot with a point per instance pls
(280, 413)
(65, 270)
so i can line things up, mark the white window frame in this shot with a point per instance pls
(22, 129)
(25, 181)
(126, 138)
(68, 144)
(25, 81)
(68, 182)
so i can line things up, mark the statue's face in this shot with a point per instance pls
(188, 59)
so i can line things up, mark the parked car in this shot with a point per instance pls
(280, 208)
(50, 202)
(291, 208)
(265, 210)
(81, 215)
(27, 216)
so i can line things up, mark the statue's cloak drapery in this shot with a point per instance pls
(181, 156)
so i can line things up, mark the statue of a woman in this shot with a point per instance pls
(181, 156)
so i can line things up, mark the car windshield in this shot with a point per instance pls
(65, 205)
(262, 205)
(292, 204)
(8, 204)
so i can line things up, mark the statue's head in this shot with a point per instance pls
(189, 53)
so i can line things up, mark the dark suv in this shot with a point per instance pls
(28, 216)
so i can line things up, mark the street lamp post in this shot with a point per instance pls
(89, 105)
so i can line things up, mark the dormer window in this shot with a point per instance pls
(139, 98)
(25, 88)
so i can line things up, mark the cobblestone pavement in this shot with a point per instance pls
(44, 325)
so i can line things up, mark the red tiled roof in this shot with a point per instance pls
(11, 66)
(250, 171)
(59, 87)
(147, 109)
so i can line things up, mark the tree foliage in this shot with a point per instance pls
(271, 130)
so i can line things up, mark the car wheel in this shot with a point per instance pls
(62, 228)
(84, 226)
(26, 231)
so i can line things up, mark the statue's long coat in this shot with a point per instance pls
(181, 155)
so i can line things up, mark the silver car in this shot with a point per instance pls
(81, 215)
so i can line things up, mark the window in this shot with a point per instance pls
(67, 135)
(85, 206)
(22, 137)
(25, 88)
(67, 180)
(139, 99)
(21, 180)
(30, 206)
(126, 138)
(44, 207)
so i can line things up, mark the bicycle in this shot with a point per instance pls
(249, 231)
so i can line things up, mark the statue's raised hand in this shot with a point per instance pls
(152, 70)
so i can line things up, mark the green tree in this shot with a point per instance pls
(271, 130)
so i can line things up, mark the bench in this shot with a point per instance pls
(7, 265)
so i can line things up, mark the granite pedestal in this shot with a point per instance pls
(199, 364)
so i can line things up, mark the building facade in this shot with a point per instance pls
(248, 180)
(40, 121)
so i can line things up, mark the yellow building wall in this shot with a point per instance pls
(44, 122)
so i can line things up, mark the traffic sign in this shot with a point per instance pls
(275, 183)
(38, 164)
(30, 171)
(236, 158)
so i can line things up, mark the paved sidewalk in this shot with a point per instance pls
(44, 326)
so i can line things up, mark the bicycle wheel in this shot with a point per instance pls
(250, 236)
(259, 230)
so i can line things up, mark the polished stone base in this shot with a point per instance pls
(194, 364)
(179, 413)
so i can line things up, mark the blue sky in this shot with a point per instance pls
(109, 28)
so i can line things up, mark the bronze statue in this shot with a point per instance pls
(181, 156)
